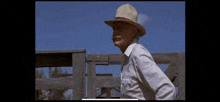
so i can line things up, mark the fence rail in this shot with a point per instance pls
(77, 59)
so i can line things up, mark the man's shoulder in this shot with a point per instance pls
(139, 46)
(139, 49)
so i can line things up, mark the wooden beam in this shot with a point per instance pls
(61, 74)
(91, 71)
(110, 58)
(53, 83)
(78, 73)
(172, 71)
(160, 58)
(69, 74)
(97, 58)
(115, 59)
(60, 51)
(107, 81)
(163, 58)
(181, 70)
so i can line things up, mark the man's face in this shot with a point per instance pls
(123, 34)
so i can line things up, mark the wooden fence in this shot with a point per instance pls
(77, 59)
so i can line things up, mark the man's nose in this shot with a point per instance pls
(116, 33)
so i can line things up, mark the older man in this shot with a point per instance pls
(141, 78)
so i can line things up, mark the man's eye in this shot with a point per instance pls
(120, 30)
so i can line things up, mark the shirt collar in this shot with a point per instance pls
(130, 47)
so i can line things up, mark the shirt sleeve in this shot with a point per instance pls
(150, 75)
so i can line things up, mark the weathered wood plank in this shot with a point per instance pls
(163, 58)
(97, 58)
(78, 73)
(110, 58)
(69, 74)
(115, 59)
(172, 71)
(60, 51)
(91, 71)
(107, 81)
(53, 83)
(181, 70)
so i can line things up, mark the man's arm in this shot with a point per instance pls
(152, 76)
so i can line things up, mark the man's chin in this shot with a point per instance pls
(116, 44)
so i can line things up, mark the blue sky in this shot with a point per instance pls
(80, 25)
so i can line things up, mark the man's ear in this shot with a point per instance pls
(136, 34)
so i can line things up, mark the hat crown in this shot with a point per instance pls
(127, 11)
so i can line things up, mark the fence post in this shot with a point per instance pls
(78, 73)
(181, 70)
(91, 75)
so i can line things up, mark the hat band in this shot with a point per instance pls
(122, 18)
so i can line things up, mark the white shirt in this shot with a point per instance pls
(130, 47)
(141, 78)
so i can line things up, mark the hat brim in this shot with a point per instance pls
(140, 28)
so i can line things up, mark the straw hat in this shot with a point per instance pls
(127, 13)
